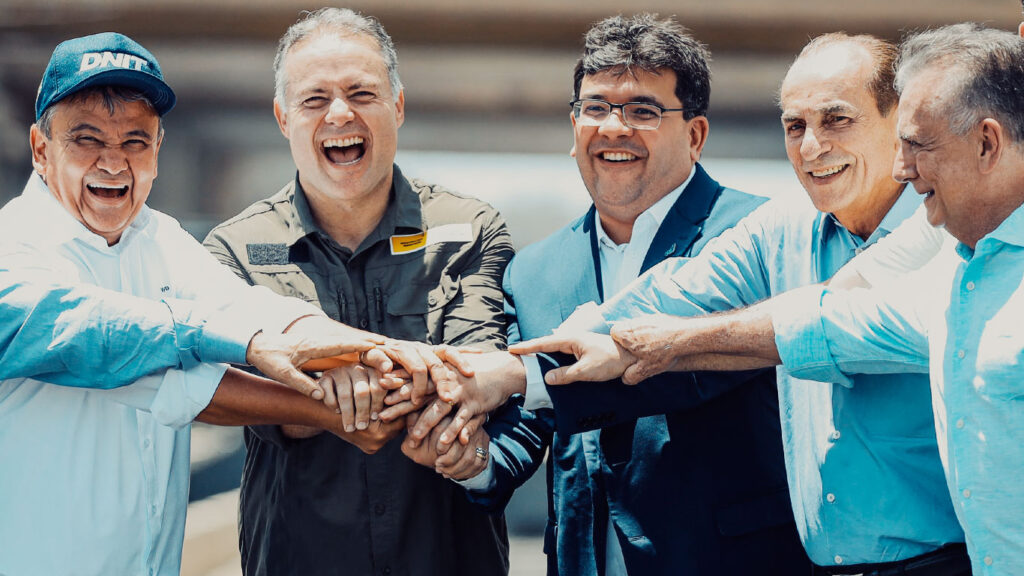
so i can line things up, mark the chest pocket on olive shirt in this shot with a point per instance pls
(416, 310)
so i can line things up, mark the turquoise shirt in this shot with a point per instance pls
(865, 478)
(960, 318)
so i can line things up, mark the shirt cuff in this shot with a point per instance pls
(800, 337)
(482, 482)
(175, 397)
(536, 390)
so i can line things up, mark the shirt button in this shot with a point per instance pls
(970, 286)
(386, 570)
(988, 560)
(967, 492)
(838, 559)
(836, 434)
(364, 323)
(146, 443)
(379, 509)
(830, 497)
(960, 423)
(432, 300)
(960, 354)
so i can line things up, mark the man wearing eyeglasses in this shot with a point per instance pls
(699, 487)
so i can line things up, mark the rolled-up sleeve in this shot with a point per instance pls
(175, 397)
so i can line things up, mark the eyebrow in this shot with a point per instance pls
(86, 127)
(643, 99)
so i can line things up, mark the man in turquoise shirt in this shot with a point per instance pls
(865, 477)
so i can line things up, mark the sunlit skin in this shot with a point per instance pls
(100, 166)
(949, 169)
(660, 160)
(341, 120)
(840, 145)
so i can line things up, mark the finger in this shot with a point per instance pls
(470, 463)
(429, 418)
(398, 410)
(397, 396)
(456, 358)
(431, 442)
(634, 374)
(410, 442)
(410, 359)
(558, 376)
(361, 397)
(447, 459)
(470, 429)
(298, 380)
(343, 386)
(326, 384)
(448, 386)
(452, 431)
(552, 343)
(376, 358)
(391, 382)
(377, 394)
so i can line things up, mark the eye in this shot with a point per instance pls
(135, 145)
(794, 129)
(644, 112)
(837, 120)
(363, 96)
(88, 141)
(594, 108)
(314, 102)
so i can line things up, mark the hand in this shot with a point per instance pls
(278, 356)
(458, 462)
(376, 435)
(598, 357)
(421, 364)
(498, 375)
(463, 426)
(653, 340)
(356, 392)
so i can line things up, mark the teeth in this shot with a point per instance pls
(343, 142)
(106, 187)
(618, 156)
(828, 171)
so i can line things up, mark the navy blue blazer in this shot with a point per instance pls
(692, 474)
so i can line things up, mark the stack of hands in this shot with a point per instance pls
(440, 396)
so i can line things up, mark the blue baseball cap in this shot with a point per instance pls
(107, 59)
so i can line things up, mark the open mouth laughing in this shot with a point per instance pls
(344, 151)
(107, 191)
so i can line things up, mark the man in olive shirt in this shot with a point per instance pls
(373, 249)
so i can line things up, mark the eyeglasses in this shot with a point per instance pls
(636, 115)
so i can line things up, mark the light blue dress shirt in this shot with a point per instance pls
(95, 481)
(864, 473)
(77, 334)
(961, 318)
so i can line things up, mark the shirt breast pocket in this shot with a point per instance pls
(416, 311)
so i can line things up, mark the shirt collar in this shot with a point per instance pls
(1010, 231)
(404, 210)
(657, 212)
(47, 213)
(906, 203)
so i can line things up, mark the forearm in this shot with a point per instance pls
(738, 340)
(243, 399)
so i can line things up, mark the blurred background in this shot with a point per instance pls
(487, 86)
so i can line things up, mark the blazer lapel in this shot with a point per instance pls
(684, 222)
(577, 266)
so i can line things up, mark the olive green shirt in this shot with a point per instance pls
(430, 271)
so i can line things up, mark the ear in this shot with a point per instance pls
(400, 108)
(282, 117)
(993, 140)
(40, 149)
(698, 133)
(572, 119)
(1020, 30)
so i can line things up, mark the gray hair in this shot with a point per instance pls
(114, 97)
(883, 54)
(344, 22)
(984, 74)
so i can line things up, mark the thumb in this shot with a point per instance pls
(298, 380)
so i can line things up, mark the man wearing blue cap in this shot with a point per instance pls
(95, 476)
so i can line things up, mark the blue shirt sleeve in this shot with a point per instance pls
(87, 336)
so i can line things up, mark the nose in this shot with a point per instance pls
(614, 124)
(813, 145)
(904, 169)
(112, 160)
(339, 111)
